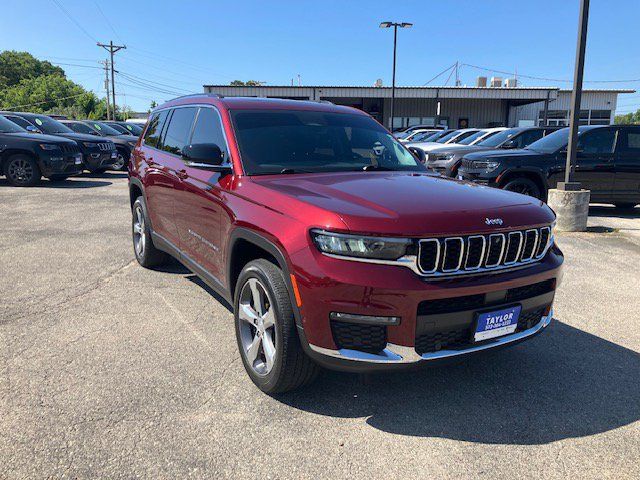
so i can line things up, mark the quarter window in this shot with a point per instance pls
(152, 135)
(630, 141)
(179, 130)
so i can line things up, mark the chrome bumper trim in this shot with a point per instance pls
(400, 354)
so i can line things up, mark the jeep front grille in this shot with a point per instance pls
(473, 253)
(106, 146)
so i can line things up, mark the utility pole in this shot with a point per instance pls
(569, 201)
(576, 98)
(106, 87)
(112, 49)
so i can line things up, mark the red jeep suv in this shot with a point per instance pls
(334, 244)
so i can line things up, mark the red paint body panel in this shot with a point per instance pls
(283, 208)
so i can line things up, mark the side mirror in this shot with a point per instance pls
(205, 156)
(510, 144)
(32, 129)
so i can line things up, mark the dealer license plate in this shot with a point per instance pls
(497, 323)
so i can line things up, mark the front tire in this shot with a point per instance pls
(266, 330)
(524, 186)
(145, 251)
(22, 171)
(121, 163)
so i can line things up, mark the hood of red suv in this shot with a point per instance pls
(402, 203)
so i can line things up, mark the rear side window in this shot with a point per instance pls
(179, 130)
(152, 135)
(600, 140)
(208, 129)
(527, 138)
(630, 140)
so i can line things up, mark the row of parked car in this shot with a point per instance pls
(531, 160)
(33, 146)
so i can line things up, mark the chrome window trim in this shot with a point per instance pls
(444, 255)
(504, 241)
(519, 233)
(535, 245)
(436, 263)
(484, 247)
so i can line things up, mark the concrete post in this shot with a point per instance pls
(571, 207)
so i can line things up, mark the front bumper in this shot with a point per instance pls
(61, 164)
(479, 177)
(392, 354)
(329, 285)
(100, 159)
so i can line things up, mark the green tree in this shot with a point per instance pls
(628, 118)
(18, 66)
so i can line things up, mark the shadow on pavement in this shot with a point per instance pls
(106, 175)
(175, 267)
(76, 182)
(611, 211)
(565, 383)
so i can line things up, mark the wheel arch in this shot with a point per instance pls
(245, 245)
(135, 190)
(531, 174)
(10, 152)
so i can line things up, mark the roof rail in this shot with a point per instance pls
(212, 95)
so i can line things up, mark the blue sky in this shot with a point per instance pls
(176, 47)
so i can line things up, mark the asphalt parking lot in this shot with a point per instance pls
(110, 370)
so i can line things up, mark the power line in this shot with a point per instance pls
(107, 20)
(70, 17)
(46, 101)
(487, 69)
(441, 73)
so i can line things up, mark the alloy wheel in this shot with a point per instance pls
(119, 164)
(20, 170)
(257, 326)
(138, 231)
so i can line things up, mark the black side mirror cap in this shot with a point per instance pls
(207, 156)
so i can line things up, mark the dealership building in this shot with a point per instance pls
(455, 107)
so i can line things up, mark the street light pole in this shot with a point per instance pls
(395, 43)
(576, 97)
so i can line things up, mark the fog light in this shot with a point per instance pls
(364, 319)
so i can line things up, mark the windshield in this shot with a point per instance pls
(133, 128)
(48, 125)
(7, 126)
(80, 127)
(105, 129)
(448, 136)
(498, 139)
(119, 128)
(472, 138)
(277, 141)
(552, 142)
(426, 137)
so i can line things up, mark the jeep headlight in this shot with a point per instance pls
(358, 246)
(90, 144)
(132, 144)
(485, 165)
(48, 146)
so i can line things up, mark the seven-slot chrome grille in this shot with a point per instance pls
(479, 253)
(106, 146)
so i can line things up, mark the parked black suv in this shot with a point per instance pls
(446, 159)
(98, 154)
(608, 164)
(26, 157)
(124, 142)
(125, 127)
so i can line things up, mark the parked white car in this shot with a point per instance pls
(453, 137)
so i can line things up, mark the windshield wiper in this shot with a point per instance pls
(371, 168)
(294, 170)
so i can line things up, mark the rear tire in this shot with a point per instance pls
(524, 186)
(266, 330)
(22, 171)
(145, 251)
